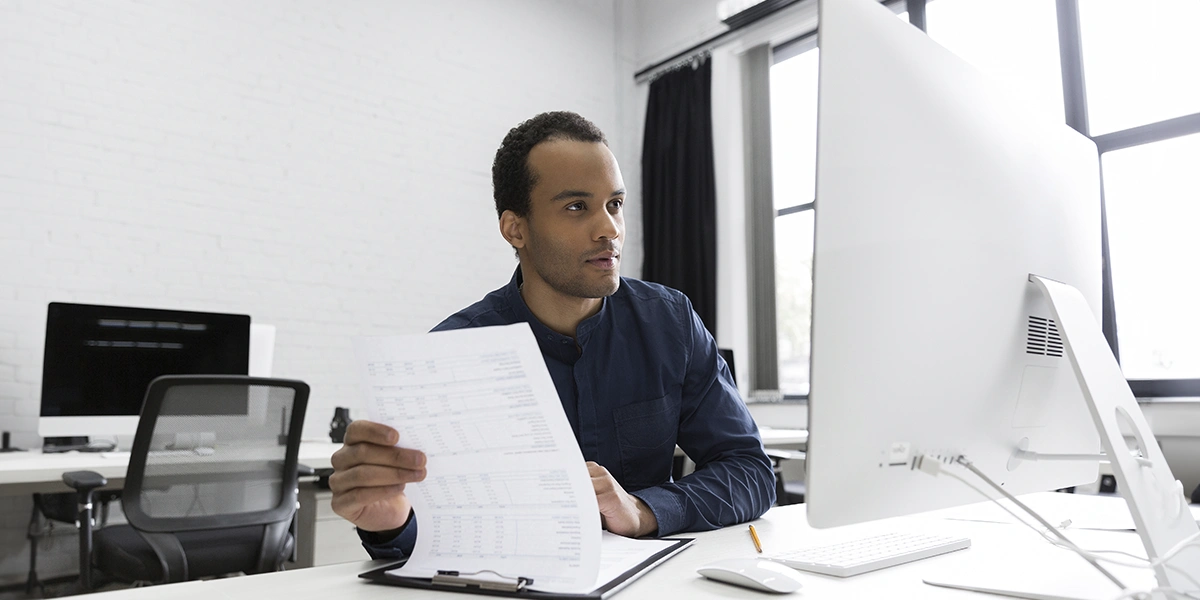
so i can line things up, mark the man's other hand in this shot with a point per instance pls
(369, 474)
(620, 512)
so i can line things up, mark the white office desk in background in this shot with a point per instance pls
(34, 472)
(999, 550)
(780, 438)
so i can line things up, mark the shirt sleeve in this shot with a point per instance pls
(391, 544)
(734, 481)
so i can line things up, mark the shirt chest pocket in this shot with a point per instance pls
(646, 432)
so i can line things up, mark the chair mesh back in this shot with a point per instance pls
(217, 449)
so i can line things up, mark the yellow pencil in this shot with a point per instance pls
(754, 536)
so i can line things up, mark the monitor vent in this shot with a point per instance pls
(1043, 337)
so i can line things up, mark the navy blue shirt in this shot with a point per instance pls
(641, 376)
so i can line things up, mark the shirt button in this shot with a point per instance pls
(564, 342)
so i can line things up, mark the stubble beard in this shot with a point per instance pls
(563, 274)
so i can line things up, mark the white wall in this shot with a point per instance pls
(323, 167)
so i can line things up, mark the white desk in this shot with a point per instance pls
(29, 472)
(998, 550)
(775, 438)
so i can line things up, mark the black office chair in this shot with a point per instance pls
(211, 484)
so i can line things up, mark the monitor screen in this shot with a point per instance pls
(100, 359)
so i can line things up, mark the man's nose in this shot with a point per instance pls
(608, 228)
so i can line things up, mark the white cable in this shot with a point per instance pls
(1191, 540)
(1067, 545)
(934, 467)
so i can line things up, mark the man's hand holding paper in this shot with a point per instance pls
(370, 473)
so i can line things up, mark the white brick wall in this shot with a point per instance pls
(322, 166)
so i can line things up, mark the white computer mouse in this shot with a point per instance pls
(754, 573)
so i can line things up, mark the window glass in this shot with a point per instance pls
(1152, 196)
(1141, 61)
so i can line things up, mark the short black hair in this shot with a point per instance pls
(512, 179)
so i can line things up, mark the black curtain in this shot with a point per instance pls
(679, 193)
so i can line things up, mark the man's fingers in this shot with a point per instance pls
(601, 485)
(351, 455)
(595, 470)
(371, 433)
(604, 485)
(350, 504)
(372, 476)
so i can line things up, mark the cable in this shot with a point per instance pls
(971, 467)
(1091, 556)
(1067, 545)
(933, 467)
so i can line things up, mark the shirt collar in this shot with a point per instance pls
(553, 344)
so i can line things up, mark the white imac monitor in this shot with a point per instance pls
(99, 361)
(938, 195)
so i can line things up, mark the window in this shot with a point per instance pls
(983, 34)
(794, 170)
(1140, 60)
(1152, 197)
(1143, 104)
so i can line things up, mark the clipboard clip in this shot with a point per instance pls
(462, 580)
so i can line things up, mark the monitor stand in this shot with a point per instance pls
(1155, 498)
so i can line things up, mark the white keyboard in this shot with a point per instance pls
(854, 557)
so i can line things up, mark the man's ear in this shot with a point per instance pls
(512, 227)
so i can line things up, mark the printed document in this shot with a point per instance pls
(507, 490)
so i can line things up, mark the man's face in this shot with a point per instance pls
(575, 226)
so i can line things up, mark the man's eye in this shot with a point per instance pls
(617, 203)
(577, 206)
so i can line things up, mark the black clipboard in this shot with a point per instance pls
(454, 582)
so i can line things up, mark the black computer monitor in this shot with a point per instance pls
(100, 359)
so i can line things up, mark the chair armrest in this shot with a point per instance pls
(305, 471)
(84, 481)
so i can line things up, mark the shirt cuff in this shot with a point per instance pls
(395, 543)
(667, 509)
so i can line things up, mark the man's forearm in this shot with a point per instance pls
(723, 492)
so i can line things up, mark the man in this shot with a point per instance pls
(635, 369)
